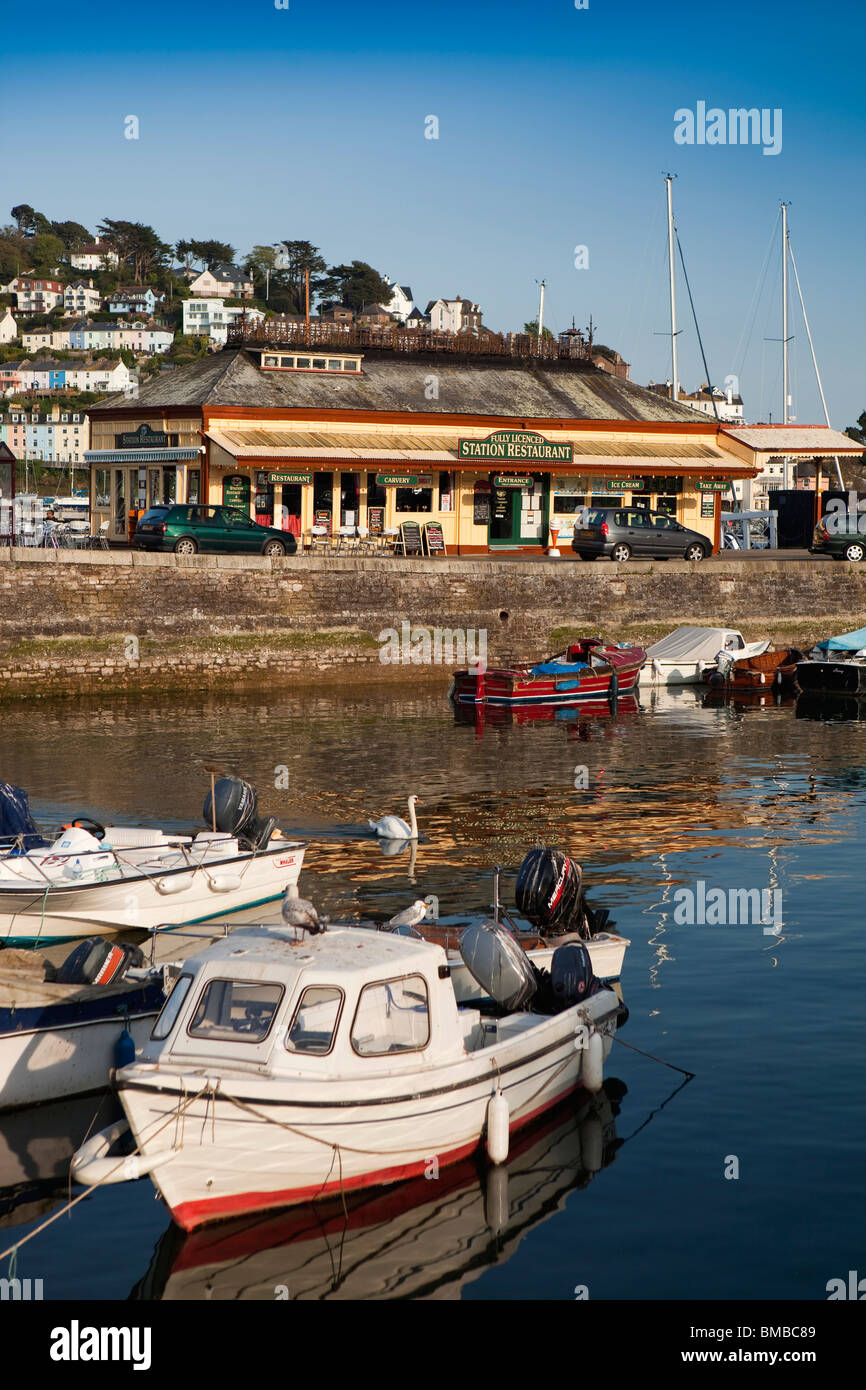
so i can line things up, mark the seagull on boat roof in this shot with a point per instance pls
(394, 828)
(422, 909)
(300, 912)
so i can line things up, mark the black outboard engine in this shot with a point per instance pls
(548, 891)
(237, 812)
(98, 962)
(16, 822)
(569, 981)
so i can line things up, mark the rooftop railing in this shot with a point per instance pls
(289, 332)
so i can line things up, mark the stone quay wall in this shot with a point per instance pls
(71, 623)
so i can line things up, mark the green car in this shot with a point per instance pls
(842, 544)
(214, 530)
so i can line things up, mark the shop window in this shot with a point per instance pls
(101, 487)
(413, 499)
(377, 496)
(446, 492)
(668, 505)
(605, 499)
(350, 498)
(193, 485)
(568, 503)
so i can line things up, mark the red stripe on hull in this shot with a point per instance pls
(190, 1215)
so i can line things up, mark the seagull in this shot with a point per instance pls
(299, 912)
(422, 909)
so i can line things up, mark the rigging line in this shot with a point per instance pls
(814, 358)
(748, 328)
(698, 331)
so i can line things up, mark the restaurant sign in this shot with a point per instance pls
(620, 484)
(712, 484)
(277, 478)
(515, 444)
(511, 480)
(142, 438)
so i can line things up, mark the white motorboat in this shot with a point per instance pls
(284, 1070)
(688, 652)
(95, 878)
(60, 1029)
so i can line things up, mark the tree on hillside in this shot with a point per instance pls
(260, 263)
(357, 284)
(137, 245)
(302, 256)
(207, 253)
(48, 250)
(532, 329)
(72, 234)
(25, 218)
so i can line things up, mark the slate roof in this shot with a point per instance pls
(512, 389)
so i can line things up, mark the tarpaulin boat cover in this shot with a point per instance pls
(693, 644)
(848, 642)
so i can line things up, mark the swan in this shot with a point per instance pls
(422, 909)
(393, 828)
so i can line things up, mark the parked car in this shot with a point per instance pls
(220, 530)
(623, 532)
(842, 545)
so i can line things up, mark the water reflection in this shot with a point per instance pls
(424, 1239)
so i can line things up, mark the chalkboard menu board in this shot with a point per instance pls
(323, 517)
(434, 539)
(376, 520)
(481, 508)
(410, 538)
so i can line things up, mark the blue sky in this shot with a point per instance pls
(555, 127)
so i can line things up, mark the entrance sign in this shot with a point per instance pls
(515, 444)
(275, 478)
(509, 480)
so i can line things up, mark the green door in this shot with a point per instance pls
(518, 509)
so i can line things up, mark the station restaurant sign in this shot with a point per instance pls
(275, 478)
(142, 438)
(515, 444)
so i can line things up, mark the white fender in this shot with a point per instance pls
(90, 1166)
(497, 1128)
(593, 1063)
(176, 884)
(224, 883)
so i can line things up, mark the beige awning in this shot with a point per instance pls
(792, 441)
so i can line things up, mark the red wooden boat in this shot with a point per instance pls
(587, 670)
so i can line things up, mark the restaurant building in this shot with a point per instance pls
(493, 439)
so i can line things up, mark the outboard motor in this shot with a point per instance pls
(548, 891)
(237, 812)
(16, 820)
(98, 962)
(569, 981)
(499, 965)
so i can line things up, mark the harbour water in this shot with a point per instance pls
(743, 1182)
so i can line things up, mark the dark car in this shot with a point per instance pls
(841, 544)
(215, 530)
(623, 532)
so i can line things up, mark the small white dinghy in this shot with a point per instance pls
(284, 1070)
(685, 654)
(95, 878)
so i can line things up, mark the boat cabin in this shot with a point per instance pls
(265, 1001)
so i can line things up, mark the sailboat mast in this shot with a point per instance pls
(669, 178)
(785, 478)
